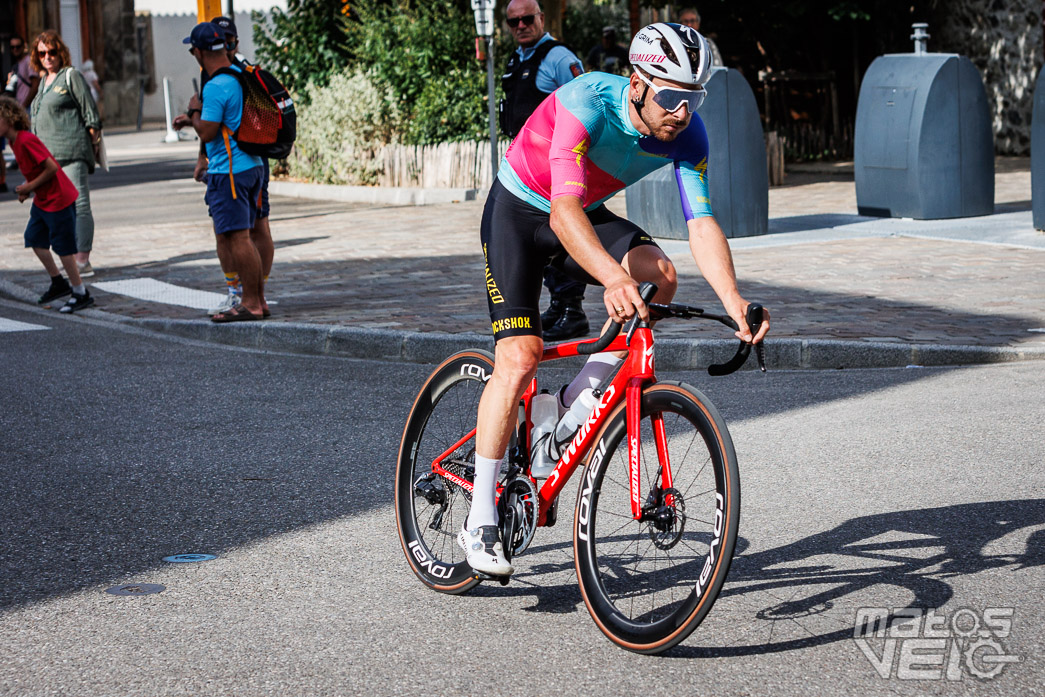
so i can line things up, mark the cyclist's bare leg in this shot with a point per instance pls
(515, 363)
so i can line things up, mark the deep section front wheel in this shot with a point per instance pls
(430, 509)
(648, 583)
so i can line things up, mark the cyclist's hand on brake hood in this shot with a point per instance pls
(622, 300)
(750, 335)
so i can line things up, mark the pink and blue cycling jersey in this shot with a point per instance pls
(581, 142)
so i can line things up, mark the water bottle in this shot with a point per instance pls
(544, 411)
(12, 84)
(567, 427)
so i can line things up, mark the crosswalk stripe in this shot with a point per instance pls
(11, 325)
(157, 291)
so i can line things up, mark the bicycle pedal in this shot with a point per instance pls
(503, 580)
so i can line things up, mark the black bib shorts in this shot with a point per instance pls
(518, 242)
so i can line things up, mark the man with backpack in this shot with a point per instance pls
(261, 233)
(234, 178)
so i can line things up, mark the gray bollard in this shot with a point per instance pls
(1037, 154)
(738, 176)
(924, 147)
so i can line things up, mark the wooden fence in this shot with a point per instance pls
(464, 164)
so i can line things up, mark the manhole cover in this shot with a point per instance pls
(136, 589)
(185, 558)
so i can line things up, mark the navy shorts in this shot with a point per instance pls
(231, 213)
(52, 230)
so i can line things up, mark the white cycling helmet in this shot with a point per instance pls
(673, 52)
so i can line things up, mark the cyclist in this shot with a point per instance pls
(584, 143)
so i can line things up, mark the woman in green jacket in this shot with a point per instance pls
(65, 117)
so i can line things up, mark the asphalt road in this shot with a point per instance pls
(916, 488)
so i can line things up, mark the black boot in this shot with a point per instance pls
(550, 316)
(572, 323)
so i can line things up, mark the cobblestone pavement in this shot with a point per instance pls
(421, 268)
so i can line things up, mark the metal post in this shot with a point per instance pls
(492, 109)
(920, 36)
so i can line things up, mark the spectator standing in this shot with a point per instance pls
(94, 84)
(538, 67)
(28, 79)
(608, 56)
(52, 215)
(65, 118)
(233, 176)
(261, 233)
(689, 17)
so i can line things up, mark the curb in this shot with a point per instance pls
(672, 354)
(392, 196)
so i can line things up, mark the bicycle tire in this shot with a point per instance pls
(444, 411)
(646, 602)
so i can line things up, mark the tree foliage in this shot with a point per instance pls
(423, 50)
(306, 43)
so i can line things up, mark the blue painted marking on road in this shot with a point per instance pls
(136, 589)
(187, 558)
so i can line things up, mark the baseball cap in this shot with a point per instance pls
(206, 37)
(226, 25)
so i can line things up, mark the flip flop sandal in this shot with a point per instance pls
(236, 313)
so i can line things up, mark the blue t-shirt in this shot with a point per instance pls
(223, 103)
(558, 67)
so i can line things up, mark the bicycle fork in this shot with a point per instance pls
(643, 375)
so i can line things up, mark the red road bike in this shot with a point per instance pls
(658, 504)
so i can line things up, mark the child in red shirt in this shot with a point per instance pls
(52, 218)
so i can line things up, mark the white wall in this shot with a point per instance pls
(172, 59)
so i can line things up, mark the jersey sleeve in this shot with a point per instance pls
(578, 119)
(691, 172)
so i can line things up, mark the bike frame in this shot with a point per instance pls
(636, 373)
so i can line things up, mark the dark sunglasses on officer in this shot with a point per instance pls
(527, 20)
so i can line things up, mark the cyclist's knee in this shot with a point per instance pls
(517, 358)
(668, 281)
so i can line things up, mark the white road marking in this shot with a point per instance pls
(10, 325)
(157, 291)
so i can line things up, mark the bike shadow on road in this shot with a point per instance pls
(806, 593)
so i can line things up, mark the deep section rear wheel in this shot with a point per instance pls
(430, 509)
(649, 583)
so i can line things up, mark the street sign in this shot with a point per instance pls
(483, 17)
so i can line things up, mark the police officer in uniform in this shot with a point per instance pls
(538, 67)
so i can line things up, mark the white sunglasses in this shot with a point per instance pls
(671, 99)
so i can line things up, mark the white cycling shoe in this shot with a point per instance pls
(483, 550)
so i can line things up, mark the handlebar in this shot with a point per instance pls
(755, 317)
(646, 292)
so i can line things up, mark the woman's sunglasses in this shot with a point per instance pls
(53, 53)
(671, 99)
(527, 20)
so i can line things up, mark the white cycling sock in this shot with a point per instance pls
(592, 374)
(484, 491)
(80, 289)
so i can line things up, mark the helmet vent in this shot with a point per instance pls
(694, 57)
(669, 52)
